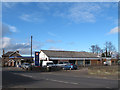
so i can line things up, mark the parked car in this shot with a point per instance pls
(25, 66)
(74, 67)
(70, 66)
(62, 64)
(107, 63)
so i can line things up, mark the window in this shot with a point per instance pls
(80, 62)
(61, 63)
(49, 64)
(98, 59)
(112, 62)
(87, 62)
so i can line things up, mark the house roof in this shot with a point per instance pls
(69, 54)
(9, 53)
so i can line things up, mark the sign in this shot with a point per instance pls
(36, 53)
(37, 58)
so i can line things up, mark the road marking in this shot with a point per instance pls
(61, 81)
(74, 83)
(107, 87)
(23, 75)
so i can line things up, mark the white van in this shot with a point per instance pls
(47, 64)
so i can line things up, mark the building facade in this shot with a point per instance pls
(13, 58)
(78, 58)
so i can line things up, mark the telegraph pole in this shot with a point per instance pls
(31, 46)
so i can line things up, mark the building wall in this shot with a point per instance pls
(114, 61)
(81, 62)
(5, 60)
(43, 56)
(96, 62)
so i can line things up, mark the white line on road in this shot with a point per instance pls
(26, 75)
(23, 75)
(61, 81)
(107, 87)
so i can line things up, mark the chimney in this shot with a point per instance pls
(31, 46)
(17, 51)
(3, 51)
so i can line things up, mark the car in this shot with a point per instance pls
(74, 66)
(62, 64)
(25, 66)
(70, 66)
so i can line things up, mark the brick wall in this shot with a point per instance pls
(96, 62)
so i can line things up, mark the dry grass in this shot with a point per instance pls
(104, 70)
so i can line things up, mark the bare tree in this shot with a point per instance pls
(109, 47)
(95, 49)
(92, 48)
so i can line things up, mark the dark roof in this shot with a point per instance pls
(9, 53)
(69, 54)
(21, 57)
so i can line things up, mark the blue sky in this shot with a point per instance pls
(59, 26)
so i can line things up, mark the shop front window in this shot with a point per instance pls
(87, 62)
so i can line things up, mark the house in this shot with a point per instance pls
(14, 58)
(78, 58)
(6, 61)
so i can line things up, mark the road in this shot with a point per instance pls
(22, 79)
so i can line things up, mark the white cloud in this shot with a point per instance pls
(35, 17)
(6, 42)
(9, 4)
(84, 12)
(81, 17)
(114, 30)
(26, 17)
(9, 44)
(24, 48)
(80, 12)
(7, 29)
(12, 28)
